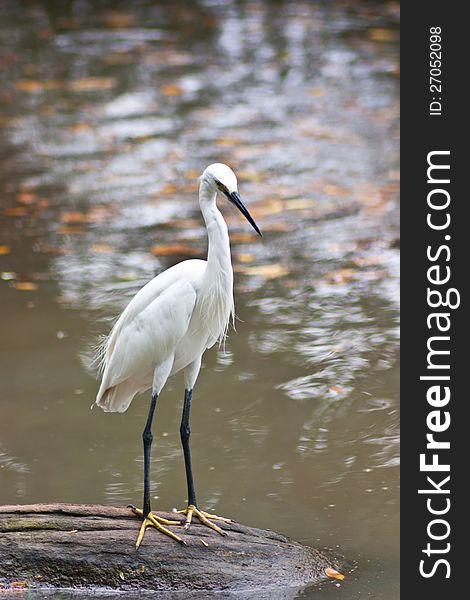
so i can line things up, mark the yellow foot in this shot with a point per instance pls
(158, 523)
(203, 518)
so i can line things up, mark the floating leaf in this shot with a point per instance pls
(95, 215)
(299, 204)
(74, 217)
(382, 35)
(280, 227)
(168, 188)
(102, 248)
(15, 211)
(25, 286)
(184, 224)
(118, 20)
(266, 271)
(171, 89)
(26, 198)
(169, 249)
(228, 141)
(33, 86)
(267, 208)
(241, 237)
(92, 84)
(4, 250)
(70, 229)
(246, 258)
(79, 127)
(121, 575)
(335, 190)
(254, 176)
(334, 574)
(51, 249)
(142, 568)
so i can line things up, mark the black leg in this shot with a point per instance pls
(185, 432)
(147, 438)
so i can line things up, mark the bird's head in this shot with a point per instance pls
(220, 178)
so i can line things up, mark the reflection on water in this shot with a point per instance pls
(109, 113)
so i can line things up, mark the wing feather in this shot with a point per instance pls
(142, 339)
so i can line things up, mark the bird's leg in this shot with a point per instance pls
(148, 517)
(192, 509)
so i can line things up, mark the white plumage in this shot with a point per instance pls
(173, 319)
(166, 328)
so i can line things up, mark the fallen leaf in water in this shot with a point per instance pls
(25, 286)
(382, 35)
(254, 176)
(142, 568)
(239, 237)
(266, 271)
(118, 58)
(121, 575)
(8, 121)
(204, 543)
(183, 224)
(102, 248)
(171, 89)
(335, 190)
(66, 23)
(280, 227)
(70, 229)
(334, 573)
(228, 141)
(266, 208)
(4, 250)
(15, 211)
(74, 217)
(73, 531)
(94, 215)
(118, 20)
(33, 86)
(51, 249)
(92, 84)
(246, 258)
(26, 198)
(79, 127)
(168, 188)
(299, 204)
(169, 249)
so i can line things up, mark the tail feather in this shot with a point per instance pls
(118, 397)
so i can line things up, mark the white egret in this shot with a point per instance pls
(166, 328)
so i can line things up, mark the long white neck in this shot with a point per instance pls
(218, 255)
(216, 295)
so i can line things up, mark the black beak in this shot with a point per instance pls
(234, 198)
